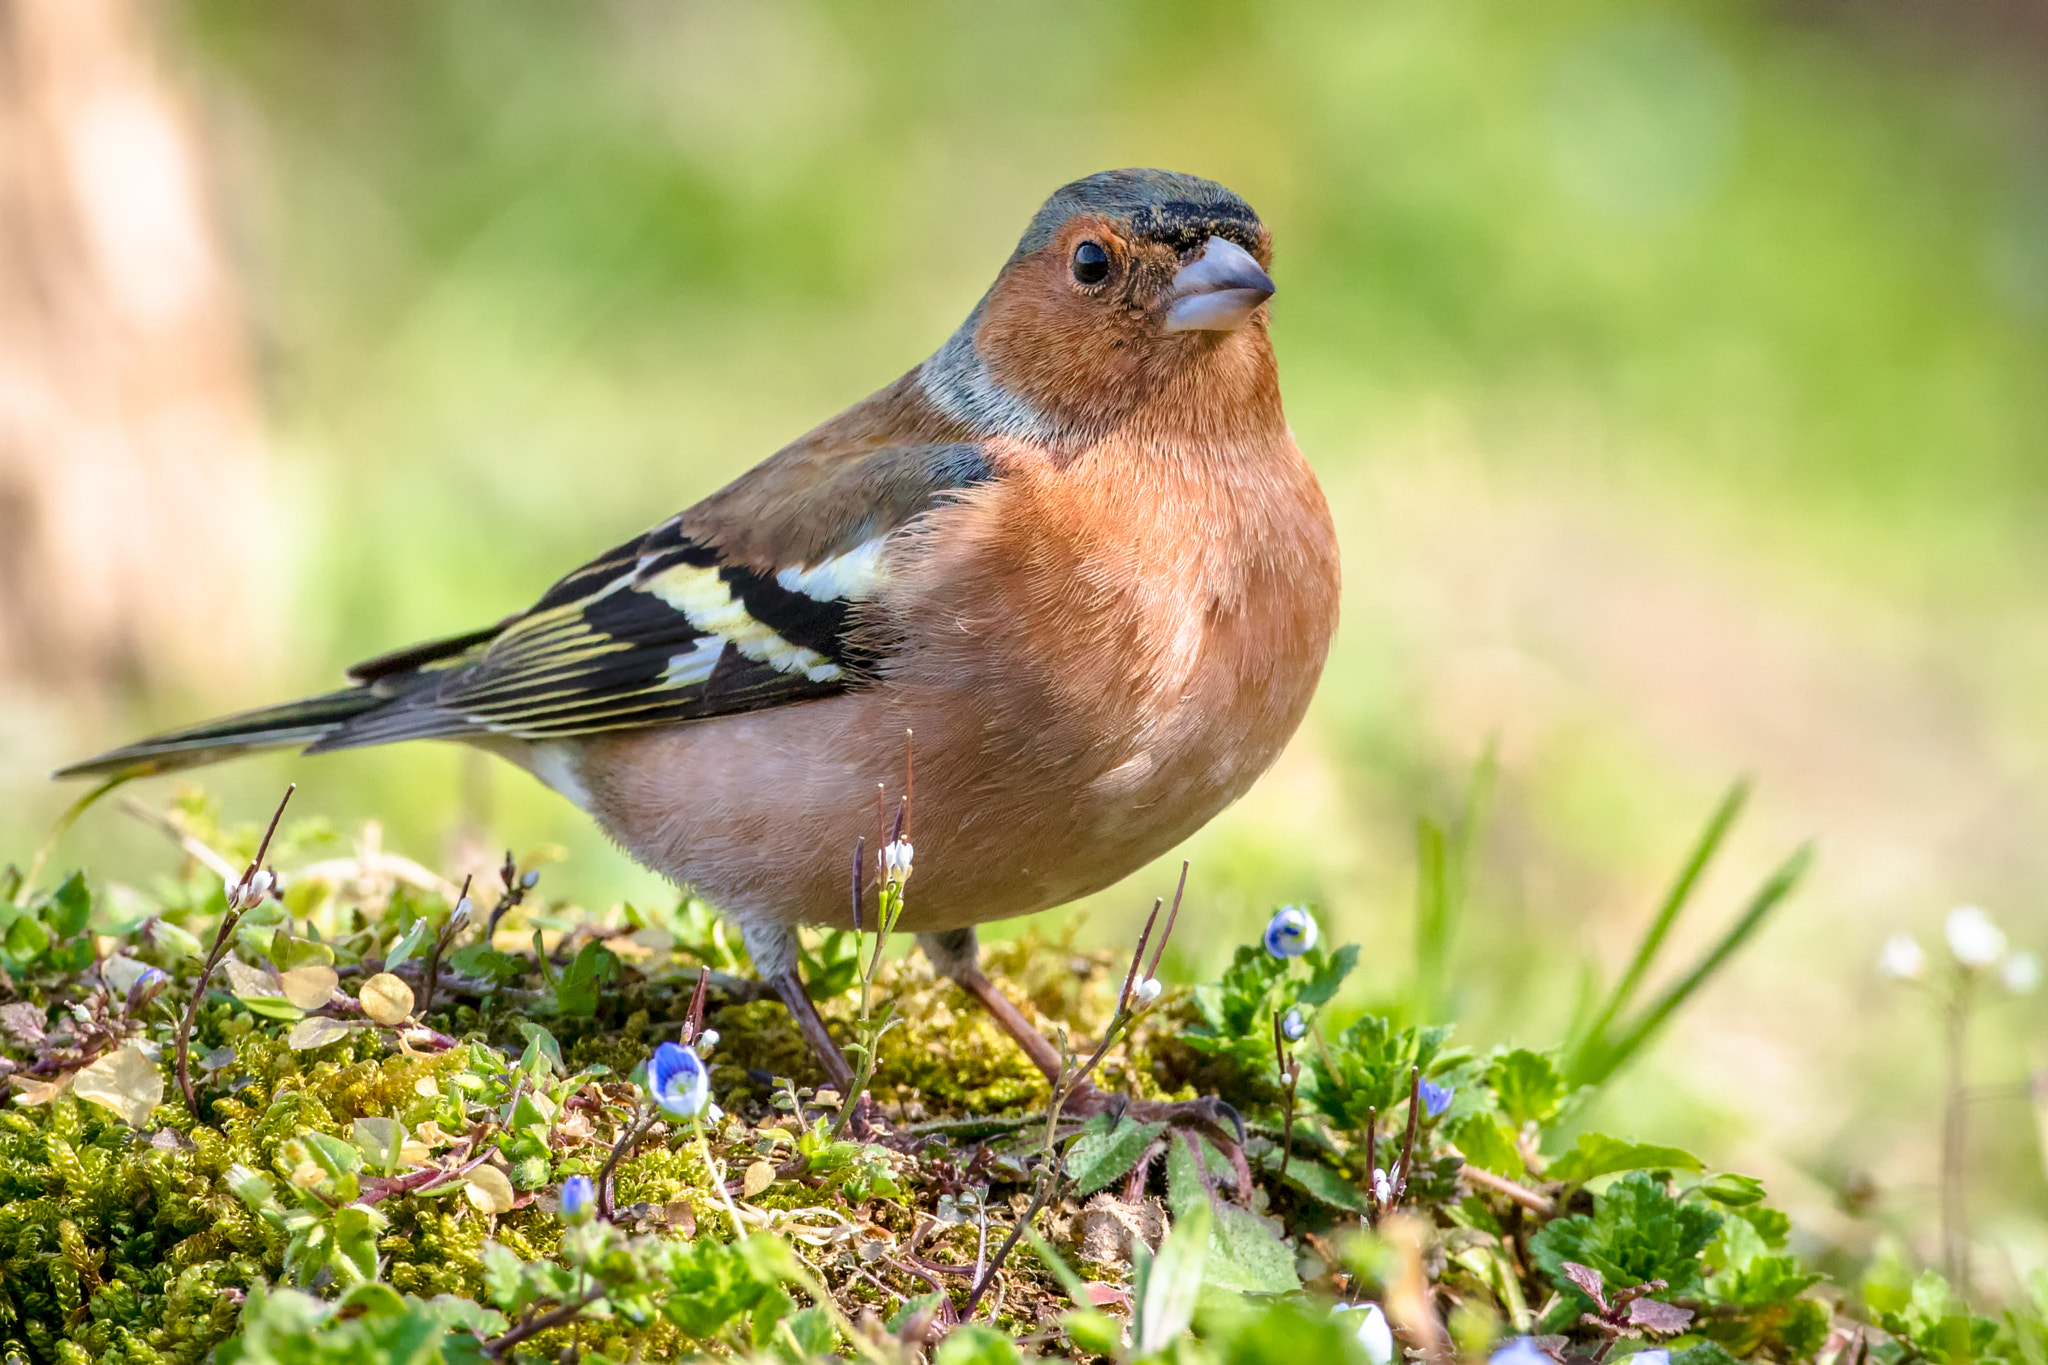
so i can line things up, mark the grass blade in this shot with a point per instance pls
(1675, 900)
(1599, 1061)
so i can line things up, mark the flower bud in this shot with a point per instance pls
(1291, 932)
(1973, 938)
(896, 857)
(2021, 973)
(1293, 1026)
(1146, 991)
(579, 1200)
(1901, 958)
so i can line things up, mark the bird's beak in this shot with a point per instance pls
(1218, 290)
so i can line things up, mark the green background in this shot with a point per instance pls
(1676, 374)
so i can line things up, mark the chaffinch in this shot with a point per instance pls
(1076, 553)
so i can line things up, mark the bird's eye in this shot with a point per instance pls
(1091, 263)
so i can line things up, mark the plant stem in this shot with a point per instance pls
(717, 1172)
(1955, 1207)
(57, 830)
(1046, 1185)
(643, 1119)
(496, 1347)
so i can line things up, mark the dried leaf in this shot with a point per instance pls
(310, 987)
(759, 1177)
(387, 999)
(489, 1189)
(1658, 1316)
(40, 1092)
(1588, 1280)
(125, 1081)
(250, 983)
(316, 1030)
(24, 1021)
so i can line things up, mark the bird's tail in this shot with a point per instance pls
(273, 727)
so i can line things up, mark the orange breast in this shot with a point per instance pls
(1096, 657)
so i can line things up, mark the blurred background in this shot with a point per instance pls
(1678, 375)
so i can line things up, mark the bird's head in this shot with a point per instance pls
(1134, 296)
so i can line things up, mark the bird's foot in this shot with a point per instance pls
(1209, 1117)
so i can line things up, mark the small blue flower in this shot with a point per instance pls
(1651, 1358)
(579, 1199)
(677, 1080)
(1435, 1099)
(1520, 1351)
(1292, 1026)
(1291, 932)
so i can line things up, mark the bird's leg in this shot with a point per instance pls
(955, 952)
(774, 950)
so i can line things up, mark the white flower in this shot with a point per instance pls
(1373, 1332)
(1973, 938)
(1382, 1186)
(1901, 958)
(896, 856)
(1651, 1358)
(706, 1040)
(1147, 990)
(2021, 973)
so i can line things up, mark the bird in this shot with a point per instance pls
(1075, 556)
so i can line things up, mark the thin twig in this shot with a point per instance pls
(1171, 916)
(1046, 1186)
(230, 917)
(1514, 1190)
(496, 1347)
(1372, 1168)
(1408, 1142)
(193, 848)
(643, 1119)
(457, 917)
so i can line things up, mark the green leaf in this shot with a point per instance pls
(26, 939)
(1326, 975)
(69, 907)
(1094, 1331)
(1528, 1085)
(1637, 1232)
(1597, 1154)
(973, 1344)
(1706, 1353)
(1246, 1256)
(542, 1051)
(408, 943)
(1733, 1191)
(1167, 1285)
(1488, 1143)
(1319, 1181)
(595, 967)
(487, 964)
(379, 1139)
(272, 1007)
(1103, 1153)
(913, 1309)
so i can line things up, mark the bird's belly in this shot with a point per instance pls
(761, 812)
